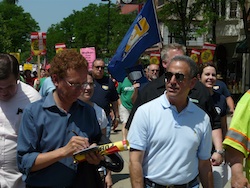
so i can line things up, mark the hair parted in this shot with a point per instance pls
(8, 65)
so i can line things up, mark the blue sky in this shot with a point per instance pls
(47, 12)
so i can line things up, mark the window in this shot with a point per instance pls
(233, 9)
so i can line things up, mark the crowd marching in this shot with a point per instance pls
(175, 123)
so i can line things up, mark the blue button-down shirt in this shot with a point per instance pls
(44, 128)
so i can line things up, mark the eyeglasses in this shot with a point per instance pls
(80, 86)
(99, 67)
(178, 76)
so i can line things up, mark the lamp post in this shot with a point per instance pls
(108, 25)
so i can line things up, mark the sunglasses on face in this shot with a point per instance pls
(178, 76)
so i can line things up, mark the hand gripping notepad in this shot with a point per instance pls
(105, 149)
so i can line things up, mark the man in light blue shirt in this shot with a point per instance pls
(46, 87)
(170, 137)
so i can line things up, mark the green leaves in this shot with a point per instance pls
(16, 26)
(90, 29)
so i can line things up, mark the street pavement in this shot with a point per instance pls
(121, 179)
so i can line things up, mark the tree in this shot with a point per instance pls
(5, 41)
(11, 1)
(88, 27)
(181, 17)
(16, 26)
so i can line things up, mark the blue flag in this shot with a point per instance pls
(142, 34)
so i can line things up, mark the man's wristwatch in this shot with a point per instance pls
(221, 152)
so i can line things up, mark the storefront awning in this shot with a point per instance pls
(242, 47)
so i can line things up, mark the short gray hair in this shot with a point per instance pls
(171, 46)
(192, 65)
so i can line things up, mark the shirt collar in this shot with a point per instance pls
(49, 101)
(165, 103)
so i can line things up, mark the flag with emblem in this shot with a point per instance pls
(142, 34)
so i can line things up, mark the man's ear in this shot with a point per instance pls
(55, 79)
(193, 82)
(164, 64)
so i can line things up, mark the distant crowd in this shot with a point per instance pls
(175, 122)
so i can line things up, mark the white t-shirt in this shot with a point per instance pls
(10, 116)
(101, 116)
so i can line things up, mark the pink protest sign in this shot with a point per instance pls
(89, 54)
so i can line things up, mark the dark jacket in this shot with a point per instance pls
(199, 95)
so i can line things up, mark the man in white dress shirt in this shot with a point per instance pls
(14, 96)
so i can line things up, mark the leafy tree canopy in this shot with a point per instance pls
(16, 26)
(89, 28)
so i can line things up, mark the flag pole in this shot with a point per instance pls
(38, 66)
(157, 23)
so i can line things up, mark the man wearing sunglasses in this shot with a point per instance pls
(199, 94)
(105, 94)
(170, 137)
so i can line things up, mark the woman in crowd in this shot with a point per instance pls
(220, 172)
(100, 114)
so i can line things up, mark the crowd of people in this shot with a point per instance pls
(175, 123)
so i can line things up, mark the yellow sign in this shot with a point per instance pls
(59, 47)
(38, 43)
(17, 56)
(206, 56)
(27, 66)
(195, 58)
(154, 60)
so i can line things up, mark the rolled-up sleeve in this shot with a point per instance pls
(27, 143)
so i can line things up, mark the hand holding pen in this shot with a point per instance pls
(76, 143)
(92, 157)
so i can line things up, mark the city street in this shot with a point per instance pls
(121, 180)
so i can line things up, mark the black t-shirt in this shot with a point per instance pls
(104, 93)
(199, 95)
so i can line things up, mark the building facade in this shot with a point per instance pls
(232, 53)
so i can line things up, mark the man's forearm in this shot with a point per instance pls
(230, 104)
(217, 138)
(115, 108)
(136, 175)
(205, 174)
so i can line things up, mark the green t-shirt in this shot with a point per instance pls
(125, 89)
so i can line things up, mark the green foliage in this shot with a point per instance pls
(11, 1)
(89, 27)
(16, 26)
(5, 41)
(186, 19)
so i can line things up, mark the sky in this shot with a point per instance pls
(48, 12)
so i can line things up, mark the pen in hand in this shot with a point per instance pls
(74, 133)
